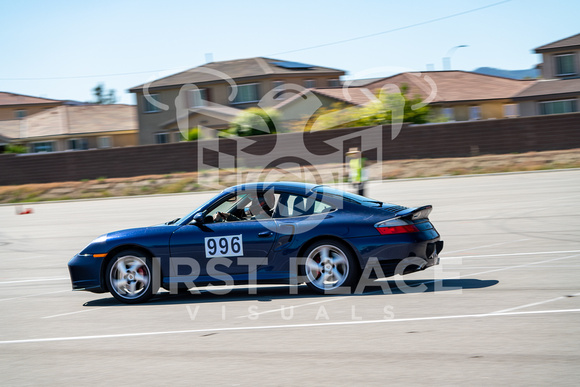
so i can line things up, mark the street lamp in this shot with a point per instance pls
(447, 59)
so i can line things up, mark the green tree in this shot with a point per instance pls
(103, 96)
(253, 122)
(193, 134)
(15, 148)
(387, 108)
(338, 115)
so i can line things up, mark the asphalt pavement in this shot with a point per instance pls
(503, 308)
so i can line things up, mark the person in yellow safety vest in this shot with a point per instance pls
(357, 174)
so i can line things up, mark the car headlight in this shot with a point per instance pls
(101, 239)
(94, 244)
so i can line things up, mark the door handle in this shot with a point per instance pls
(265, 234)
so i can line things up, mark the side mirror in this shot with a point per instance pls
(198, 218)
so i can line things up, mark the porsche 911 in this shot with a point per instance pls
(262, 233)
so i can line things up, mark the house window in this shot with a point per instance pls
(449, 113)
(474, 113)
(162, 138)
(333, 83)
(558, 107)
(38, 147)
(278, 88)
(77, 144)
(565, 64)
(247, 93)
(198, 98)
(149, 105)
(310, 83)
(105, 142)
(19, 114)
(511, 110)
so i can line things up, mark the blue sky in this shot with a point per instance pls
(62, 49)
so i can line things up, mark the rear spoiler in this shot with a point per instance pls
(415, 213)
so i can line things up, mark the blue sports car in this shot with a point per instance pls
(281, 232)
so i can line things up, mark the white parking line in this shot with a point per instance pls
(34, 280)
(514, 254)
(536, 303)
(428, 282)
(517, 266)
(286, 326)
(293, 307)
(34, 295)
(482, 247)
(77, 312)
(424, 283)
(450, 267)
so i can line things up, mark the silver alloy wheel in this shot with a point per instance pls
(130, 277)
(327, 267)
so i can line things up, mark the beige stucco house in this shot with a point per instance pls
(559, 89)
(458, 95)
(211, 95)
(560, 59)
(17, 106)
(74, 127)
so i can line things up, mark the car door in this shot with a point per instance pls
(228, 243)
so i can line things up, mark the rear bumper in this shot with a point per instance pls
(85, 273)
(402, 256)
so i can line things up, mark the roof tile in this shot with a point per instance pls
(569, 42)
(454, 86)
(551, 88)
(72, 120)
(10, 99)
(234, 69)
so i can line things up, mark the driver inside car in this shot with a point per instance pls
(224, 217)
(260, 208)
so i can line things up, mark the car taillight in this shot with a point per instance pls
(385, 230)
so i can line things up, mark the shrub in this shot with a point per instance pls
(193, 134)
(253, 122)
(15, 148)
(384, 110)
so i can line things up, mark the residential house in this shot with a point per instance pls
(211, 95)
(17, 106)
(457, 95)
(559, 90)
(560, 59)
(74, 127)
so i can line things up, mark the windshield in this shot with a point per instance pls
(347, 196)
(187, 217)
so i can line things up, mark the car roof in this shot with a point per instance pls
(288, 186)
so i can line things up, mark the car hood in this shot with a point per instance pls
(143, 236)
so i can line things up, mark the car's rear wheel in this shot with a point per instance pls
(328, 266)
(130, 277)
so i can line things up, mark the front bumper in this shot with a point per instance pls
(85, 273)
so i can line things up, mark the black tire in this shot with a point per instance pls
(131, 277)
(329, 267)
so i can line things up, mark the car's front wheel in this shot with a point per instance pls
(328, 266)
(130, 277)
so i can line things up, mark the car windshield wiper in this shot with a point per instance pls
(172, 221)
(375, 202)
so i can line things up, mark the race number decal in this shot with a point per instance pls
(224, 246)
